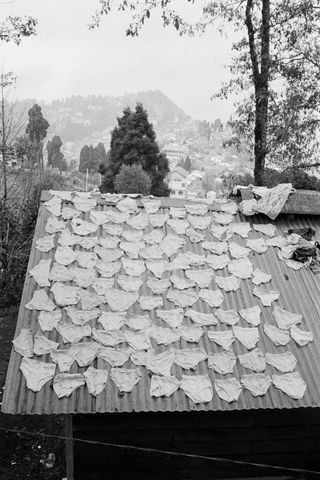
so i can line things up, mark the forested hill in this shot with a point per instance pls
(78, 117)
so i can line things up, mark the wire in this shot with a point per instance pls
(155, 450)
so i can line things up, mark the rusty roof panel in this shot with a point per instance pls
(300, 293)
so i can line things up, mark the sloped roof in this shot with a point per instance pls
(299, 293)
(180, 170)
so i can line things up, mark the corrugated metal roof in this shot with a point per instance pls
(300, 293)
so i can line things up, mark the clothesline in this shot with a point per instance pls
(158, 451)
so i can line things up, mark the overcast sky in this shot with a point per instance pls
(65, 58)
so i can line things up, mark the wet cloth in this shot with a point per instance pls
(125, 378)
(99, 217)
(138, 322)
(237, 251)
(201, 277)
(40, 301)
(214, 298)
(68, 239)
(217, 248)
(197, 387)
(129, 284)
(114, 356)
(301, 337)
(276, 242)
(49, 320)
(222, 218)
(112, 321)
(188, 358)
(173, 317)
(140, 358)
(54, 206)
(90, 300)
(84, 204)
(193, 259)
(259, 277)
(241, 229)
(54, 225)
(108, 254)
(194, 235)
(179, 263)
(36, 373)
(258, 245)
(257, 383)
(153, 252)
(87, 259)
(42, 345)
(179, 226)
(224, 338)
(109, 241)
(229, 317)
(180, 282)
(96, 380)
(128, 204)
(64, 384)
(248, 337)
(108, 338)
(158, 286)
(134, 268)
(80, 317)
(40, 273)
(190, 334)
(138, 340)
(290, 383)
(157, 267)
(23, 343)
(164, 335)
(276, 335)
(86, 352)
(177, 212)
(131, 249)
(108, 269)
(171, 244)
(130, 236)
(253, 360)
(229, 207)
(45, 244)
(157, 220)
(65, 255)
(222, 363)
(152, 205)
(82, 227)
(163, 386)
(251, 315)
(113, 229)
(182, 298)
(229, 284)
(228, 389)
(285, 319)
(201, 318)
(266, 296)
(196, 208)
(199, 223)
(273, 200)
(102, 285)
(83, 277)
(241, 268)
(120, 301)
(266, 228)
(73, 333)
(148, 302)
(154, 237)
(218, 231)
(160, 363)
(284, 362)
(67, 213)
(61, 194)
(138, 222)
(217, 262)
(64, 358)
(60, 273)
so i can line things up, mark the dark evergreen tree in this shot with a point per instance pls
(37, 131)
(92, 157)
(187, 164)
(132, 179)
(55, 156)
(133, 141)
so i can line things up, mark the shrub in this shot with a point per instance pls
(132, 179)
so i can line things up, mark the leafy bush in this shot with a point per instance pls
(132, 179)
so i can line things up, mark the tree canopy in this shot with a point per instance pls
(92, 158)
(132, 179)
(37, 126)
(133, 141)
(55, 156)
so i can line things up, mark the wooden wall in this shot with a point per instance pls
(278, 437)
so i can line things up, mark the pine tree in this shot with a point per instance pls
(133, 141)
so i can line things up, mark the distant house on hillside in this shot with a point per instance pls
(175, 152)
(178, 174)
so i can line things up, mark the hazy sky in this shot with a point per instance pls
(65, 58)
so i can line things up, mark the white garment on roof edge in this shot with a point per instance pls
(45, 244)
(257, 383)
(40, 273)
(23, 343)
(290, 383)
(64, 384)
(161, 386)
(197, 387)
(36, 373)
(284, 362)
(222, 363)
(96, 380)
(40, 301)
(228, 389)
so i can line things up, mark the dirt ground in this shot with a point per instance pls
(21, 456)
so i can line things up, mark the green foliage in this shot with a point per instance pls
(133, 141)
(132, 179)
(187, 164)
(55, 156)
(92, 157)
(37, 126)
(14, 28)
